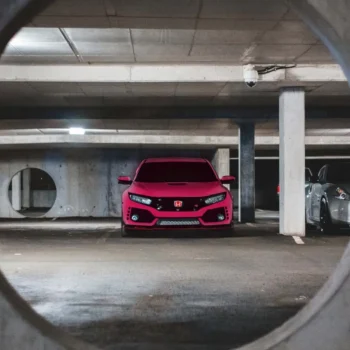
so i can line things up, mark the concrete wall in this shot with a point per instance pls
(86, 179)
(40, 198)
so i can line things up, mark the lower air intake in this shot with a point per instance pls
(192, 222)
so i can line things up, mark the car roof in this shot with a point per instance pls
(175, 159)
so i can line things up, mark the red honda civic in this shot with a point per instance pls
(176, 193)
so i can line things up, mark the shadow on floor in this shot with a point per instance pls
(240, 230)
(315, 233)
(215, 328)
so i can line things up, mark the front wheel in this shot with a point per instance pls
(229, 232)
(124, 231)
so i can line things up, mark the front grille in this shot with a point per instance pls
(179, 222)
(188, 204)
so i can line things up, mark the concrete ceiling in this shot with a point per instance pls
(91, 32)
(288, 42)
(182, 31)
(155, 32)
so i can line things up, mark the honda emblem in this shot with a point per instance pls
(177, 204)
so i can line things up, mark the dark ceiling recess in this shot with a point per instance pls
(235, 113)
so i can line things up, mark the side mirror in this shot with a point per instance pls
(124, 180)
(228, 179)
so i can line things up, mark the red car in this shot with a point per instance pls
(176, 193)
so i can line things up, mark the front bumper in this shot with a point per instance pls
(151, 218)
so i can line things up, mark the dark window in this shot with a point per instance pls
(338, 173)
(176, 172)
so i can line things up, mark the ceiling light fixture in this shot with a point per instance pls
(76, 131)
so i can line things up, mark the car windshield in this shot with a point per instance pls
(339, 173)
(176, 172)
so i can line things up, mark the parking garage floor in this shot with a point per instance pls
(173, 291)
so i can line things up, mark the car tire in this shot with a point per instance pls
(326, 226)
(123, 230)
(229, 232)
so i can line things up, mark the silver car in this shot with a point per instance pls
(328, 199)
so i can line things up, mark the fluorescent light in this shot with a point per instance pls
(76, 131)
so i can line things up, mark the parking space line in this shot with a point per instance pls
(298, 240)
(250, 224)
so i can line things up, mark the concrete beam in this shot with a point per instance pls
(132, 141)
(137, 73)
(108, 140)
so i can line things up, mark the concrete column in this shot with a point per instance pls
(26, 194)
(221, 162)
(246, 197)
(292, 161)
(16, 192)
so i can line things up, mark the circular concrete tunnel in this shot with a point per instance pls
(323, 324)
(32, 192)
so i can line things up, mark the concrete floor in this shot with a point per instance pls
(173, 291)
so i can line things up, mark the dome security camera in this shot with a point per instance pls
(250, 75)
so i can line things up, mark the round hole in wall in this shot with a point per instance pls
(32, 192)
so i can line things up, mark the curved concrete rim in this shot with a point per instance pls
(8, 182)
(323, 324)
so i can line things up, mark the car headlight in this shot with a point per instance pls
(140, 199)
(215, 199)
(341, 194)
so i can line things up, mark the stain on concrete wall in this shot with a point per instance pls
(86, 179)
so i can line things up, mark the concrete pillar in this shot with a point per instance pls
(16, 192)
(221, 162)
(246, 178)
(292, 161)
(26, 194)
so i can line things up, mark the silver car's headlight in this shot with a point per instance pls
(341, 194)
(215, 199)
(140, 199)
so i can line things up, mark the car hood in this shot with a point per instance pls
(185, 189)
